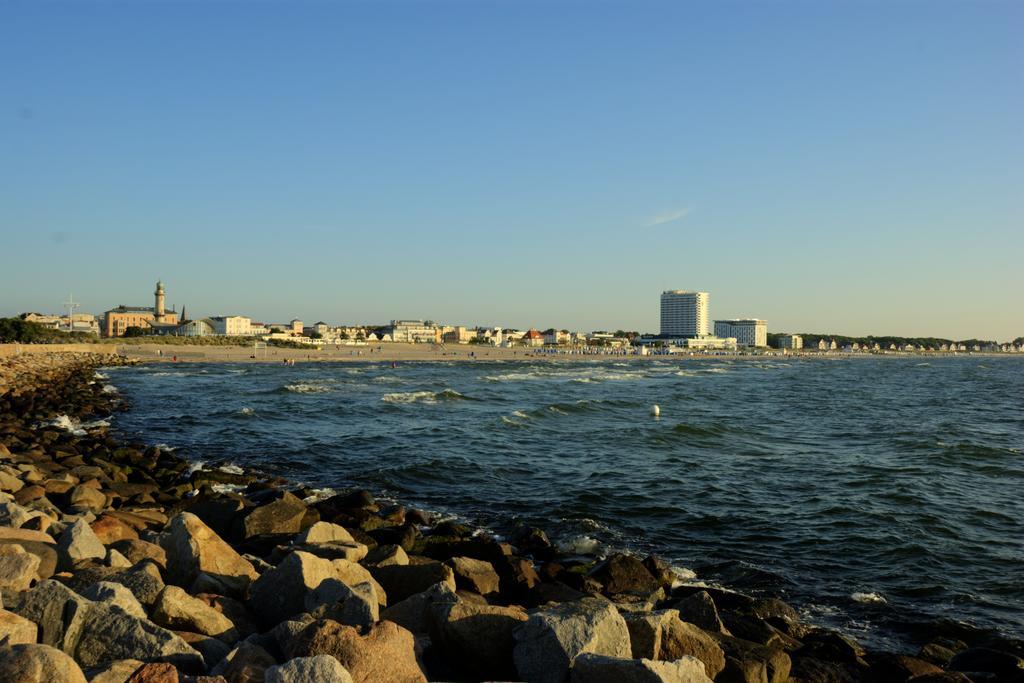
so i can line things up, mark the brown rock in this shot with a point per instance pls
(18, 569)
(177, 610)
(402, 581)
(110, 529)
(475, 575)
(387, 647)
(245, 664)
(155, 672)
(477, 639)
(699, 609)
(194, 549)
(31, 663)
(17, 630)
(624, 574)
(136, 551)
(283, 516)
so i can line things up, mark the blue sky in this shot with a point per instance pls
(828, 166)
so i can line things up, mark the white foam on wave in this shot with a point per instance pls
(319, 494)
(196, 466)
(868, 598)
(429, 397)
(74, 426)
(247, 411)
(227, 488)
(109, 389)
(307, 388)
(100, 375)
(683, 575)
(231, 468)
(580, 545)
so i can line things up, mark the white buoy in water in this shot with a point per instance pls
(655, 411)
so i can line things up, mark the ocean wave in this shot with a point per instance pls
(231, 468)
(73, 425)
(316, 387)
(423, 396)
(868, 598)
(580, 545)
(109, 389)
(695, 430)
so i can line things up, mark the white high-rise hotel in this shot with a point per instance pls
(684, 314)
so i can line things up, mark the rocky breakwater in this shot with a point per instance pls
(119, 562)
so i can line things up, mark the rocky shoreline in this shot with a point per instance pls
(121, 562)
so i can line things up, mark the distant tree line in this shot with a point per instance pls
(25, 332)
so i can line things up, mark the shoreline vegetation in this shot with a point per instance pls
(123, 562)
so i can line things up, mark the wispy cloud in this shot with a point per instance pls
(668, 217)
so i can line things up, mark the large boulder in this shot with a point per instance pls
(622, 573)
(195, 552)
(476, 639)
(662, 636)
(699, 609)
(175, 609)
(474, 575)
(551, 639)
(749, 662)
(18, 569)
(592, 668)
(318, 668)
(282, 516)
(112, 593)
(324, 532)
(401, 581)
(31, 663)
(356, 605)
(387, 647)
(109, 529)
(78, 542)
(413, 613)
(16, 630)
(281, 592)
(95, 633)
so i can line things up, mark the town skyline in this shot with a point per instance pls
(847, 167)
(199, 312)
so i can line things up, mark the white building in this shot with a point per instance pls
(417, 331)
(232, 325)
(748, 331)
(791, 341)
(684, 314)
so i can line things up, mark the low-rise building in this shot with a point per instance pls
(414, 331)
(533, 338)
(232, 325)
(747, 331)
(791, 341)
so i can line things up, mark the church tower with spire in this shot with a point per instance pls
(158, 309)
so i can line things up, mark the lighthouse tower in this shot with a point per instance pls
(158, 309)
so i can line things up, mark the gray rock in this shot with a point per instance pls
(78, 542)
(413, 612)
(212, 649)
(175, 609)
(38, 664)
(95, 633)
(592, 668)
(286, 630)
(281, 592)
(143, 580)
(112, 593)
(476, 639)
(193, 549)
(552, 638)
(18, 569)
(318, 668)
(355, 605)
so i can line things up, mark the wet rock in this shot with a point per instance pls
(896, 667)
(622, 573)
(16, 630)
(194, 550)
(18, 569)
(246, 662)
(811, 670)
(177, 610)
(699, 609)
(551, 639)
(78, 542)
(660, 570)
(594, 668)
(413, 612)
(386, 647)
(402, 581)
(31, 663)
(474, 575)
(749, 662)
(831, 646)
(1004, 665)
(112, 593)
(283, 516)
(476, 639)
(319, 668)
